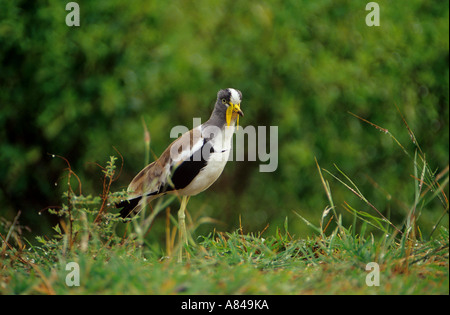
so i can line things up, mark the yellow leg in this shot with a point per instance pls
(182, 227)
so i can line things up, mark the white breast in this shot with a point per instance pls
(216, 163)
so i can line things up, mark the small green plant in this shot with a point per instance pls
(84, 219)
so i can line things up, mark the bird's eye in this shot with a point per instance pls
(224, 101)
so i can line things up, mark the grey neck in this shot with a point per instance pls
(217, 117)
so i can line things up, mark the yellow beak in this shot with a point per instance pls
(234, 108)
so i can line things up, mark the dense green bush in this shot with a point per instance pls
(302, 66)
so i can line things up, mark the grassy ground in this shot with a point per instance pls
(236, 264)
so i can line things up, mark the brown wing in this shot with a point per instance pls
(156, 175)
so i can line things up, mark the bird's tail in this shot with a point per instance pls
(129, 207)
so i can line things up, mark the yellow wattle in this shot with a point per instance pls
(228, 114)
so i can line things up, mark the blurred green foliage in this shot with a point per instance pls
(301, 65)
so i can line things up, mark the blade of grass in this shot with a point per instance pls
(362, 198)
(326, 186)
(364, 216)
(417, 190)
(315, 228)
(146, 142)
(411, 133)
(386, 131)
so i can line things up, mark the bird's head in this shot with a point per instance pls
(230, 99)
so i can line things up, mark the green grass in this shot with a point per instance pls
(239, 264)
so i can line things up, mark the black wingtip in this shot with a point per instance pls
(128, 207)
